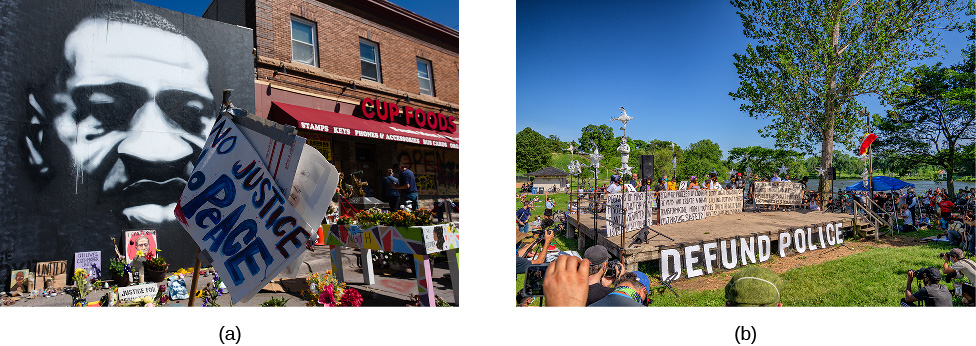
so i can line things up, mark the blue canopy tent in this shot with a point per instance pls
(881, 183)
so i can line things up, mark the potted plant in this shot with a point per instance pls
(119, 267)
(155, 266)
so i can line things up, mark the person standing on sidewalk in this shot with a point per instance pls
(407, 182)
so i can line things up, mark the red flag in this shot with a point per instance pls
(867, 142)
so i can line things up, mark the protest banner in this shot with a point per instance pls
(90, 261)
(237, 213)
(778, 193)
(687, 205)
(138, 291)
(635, 203)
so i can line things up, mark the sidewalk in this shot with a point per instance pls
(391, 288)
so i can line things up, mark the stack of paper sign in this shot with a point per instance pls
(255, 197)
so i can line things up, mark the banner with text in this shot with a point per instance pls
(688, 205)
(778, 193)
(636, 205)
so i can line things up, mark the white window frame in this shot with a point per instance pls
(430, 76)
(315, 38)
(376, 53)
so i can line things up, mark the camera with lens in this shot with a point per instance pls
(920, 273)
(612, 268)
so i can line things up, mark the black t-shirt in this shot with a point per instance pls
(934, 295)
(597, 291)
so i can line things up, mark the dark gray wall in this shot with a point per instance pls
(53, 210)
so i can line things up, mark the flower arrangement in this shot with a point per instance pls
(155, 262)
(83, 287)
(326, 290)
(345, 220)
(438, 301)
(372, 217)
(211, 292)
(403, 218)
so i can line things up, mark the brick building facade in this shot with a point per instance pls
(334, 68)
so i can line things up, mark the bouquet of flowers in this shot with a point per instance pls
(344, 220)
(372, 217)
(326, 290)
(155, 262)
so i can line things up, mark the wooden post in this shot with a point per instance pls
(425, 284)
(452, 263)
(196, 278)
(367, 262)
(336, 256)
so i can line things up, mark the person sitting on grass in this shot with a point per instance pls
(955, 262)
(932, 294)
(754, 286)
(906, 214)
(631, 290)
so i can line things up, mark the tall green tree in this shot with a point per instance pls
(701, 158)
(933, 117)
(766, 161)
(531, 151)
(813, 58)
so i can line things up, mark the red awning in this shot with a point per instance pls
(344, 124)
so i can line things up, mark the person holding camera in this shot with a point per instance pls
(522, 217)
(599, 262)
(631, 290)
(932, 294)
(565, 282)
(521, 256)
(954, 263)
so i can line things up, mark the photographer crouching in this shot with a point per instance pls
(931, 294)
(954, 263)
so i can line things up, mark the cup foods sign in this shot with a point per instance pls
(702, 259)
(415, 117)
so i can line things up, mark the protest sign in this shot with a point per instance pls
(438, 238)
(138, 291)
(778, 193)
(139, 240)
(50, 275)
(237, 214)
(687, 205)
(635, 203)
(90, 261)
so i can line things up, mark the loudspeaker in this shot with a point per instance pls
(647, 167)
(831, 173)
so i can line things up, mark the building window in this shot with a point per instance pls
(425, 77)
(369, 57)
(303, 42)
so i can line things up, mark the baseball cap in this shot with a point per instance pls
(597, 254)
(957, 253)
(644, 280)
(614, 177)
(754, 286)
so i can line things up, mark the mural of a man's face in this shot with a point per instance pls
(136, 111)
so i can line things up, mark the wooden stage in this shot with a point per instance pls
(692, 232)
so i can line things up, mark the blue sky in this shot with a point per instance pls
(444, 12)
(669, 63)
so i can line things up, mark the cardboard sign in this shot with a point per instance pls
(439, 238)
(50, 275)
(90, 261)
(688, 205)
(138, 291)
(778, 193)
(238, 215)
(139, 240)
(19, 280)
(637, 209)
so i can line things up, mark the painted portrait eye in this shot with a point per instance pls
(185, 108)
(109, 107)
